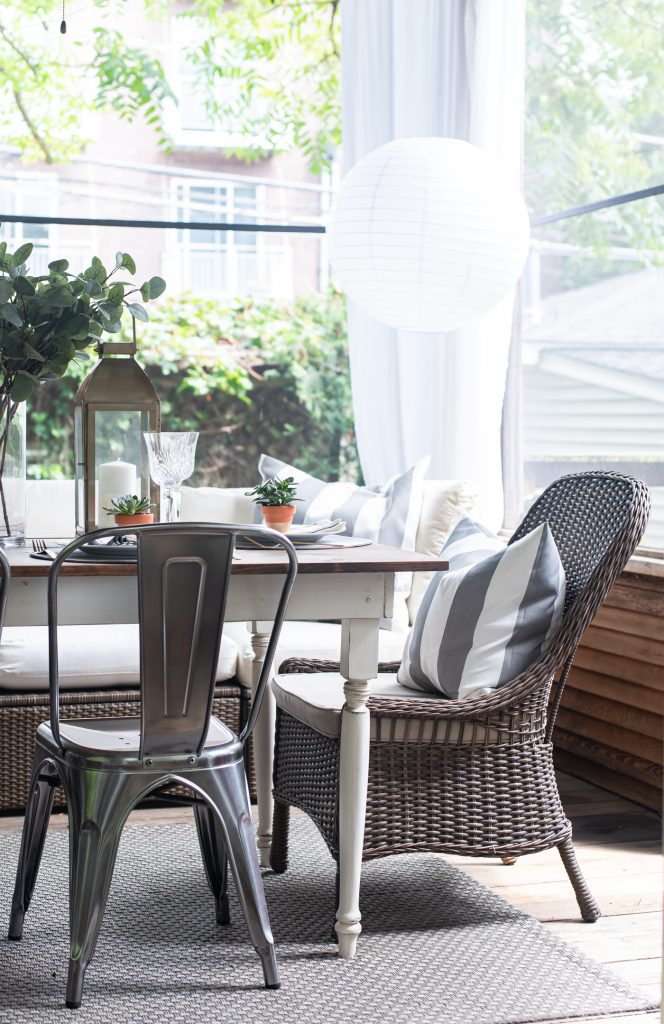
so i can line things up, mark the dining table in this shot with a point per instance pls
(351, 584)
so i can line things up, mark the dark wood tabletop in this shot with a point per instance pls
(371, 558)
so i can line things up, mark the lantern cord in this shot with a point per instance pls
(63, 23)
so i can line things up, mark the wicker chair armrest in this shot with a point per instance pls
(484, 706)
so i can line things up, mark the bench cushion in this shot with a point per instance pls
(90, 657)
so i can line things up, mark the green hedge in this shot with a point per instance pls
(250, 376)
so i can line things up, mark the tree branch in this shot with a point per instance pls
(32, 127)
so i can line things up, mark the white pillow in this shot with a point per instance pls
(489, 616)
(388, 514)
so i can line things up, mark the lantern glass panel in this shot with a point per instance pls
(121, 461)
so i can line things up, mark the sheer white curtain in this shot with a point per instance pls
(449, 68)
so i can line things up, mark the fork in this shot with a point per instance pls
(39, 547)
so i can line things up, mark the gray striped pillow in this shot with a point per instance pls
(388, 514)
(489, 616)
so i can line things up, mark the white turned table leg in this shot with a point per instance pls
(263, 741)
(359, 664)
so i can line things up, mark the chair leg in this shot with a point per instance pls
(97, 813)
(280, 829)
(213, 851)
(35, 827)
(509, 860)
(226, 789)
(589, 908)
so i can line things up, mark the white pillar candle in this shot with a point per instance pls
(114, 478)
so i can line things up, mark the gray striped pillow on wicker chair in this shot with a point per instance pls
(489, 616)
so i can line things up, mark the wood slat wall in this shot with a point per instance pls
(610, 727)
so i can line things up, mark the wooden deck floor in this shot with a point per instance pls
(619, 848)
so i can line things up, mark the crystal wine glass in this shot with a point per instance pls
(171, 458)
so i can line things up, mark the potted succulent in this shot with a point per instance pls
(130, 510)
(276, 499)
(46, 321)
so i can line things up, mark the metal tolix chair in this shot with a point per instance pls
(107, 766)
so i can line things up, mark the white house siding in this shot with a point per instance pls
(573, 424)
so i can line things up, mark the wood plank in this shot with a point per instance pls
(546, 867)
(568, 759)
(619, 690)
(555, 901)
(369, 558)
(635, 623)
(622, 668)
(611, 939)
(644, 748)
(636, 597)
(636, 647)
(645, 723)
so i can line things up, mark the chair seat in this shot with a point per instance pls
(317, 700)
(98, 657)
(104, 740)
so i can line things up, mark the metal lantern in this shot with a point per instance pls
(113, 407)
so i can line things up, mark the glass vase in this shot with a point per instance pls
(12, 472)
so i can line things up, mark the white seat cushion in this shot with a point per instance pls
(317, 699)
(90, 657)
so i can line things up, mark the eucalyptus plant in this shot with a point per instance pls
(48, 320)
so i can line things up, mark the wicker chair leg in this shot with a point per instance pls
(509, 860)
(280, 827)
(590, 911)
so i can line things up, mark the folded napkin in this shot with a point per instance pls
(325, 526)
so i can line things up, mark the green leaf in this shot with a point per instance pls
(145, 291)
(58, 295)
(128, 263)
(6, 289)
(28, 375)
(10, 313)
(138, 311)
(22, 253)
(23, 286)
(157, 286)
(59, 266)
(93, 288)
(21, 389)
(33, 353)
(115, 294)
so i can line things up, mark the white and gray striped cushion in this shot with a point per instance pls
(388, 514)
(489, 616)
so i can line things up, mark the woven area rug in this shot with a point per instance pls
(437, 947)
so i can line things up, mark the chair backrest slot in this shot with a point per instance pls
(182, 584)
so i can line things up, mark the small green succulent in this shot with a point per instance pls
(129, 505)
(274, 492)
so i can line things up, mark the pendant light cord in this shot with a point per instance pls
(63, 23)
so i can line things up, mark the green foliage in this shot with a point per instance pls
(275, 491)
(594, 102)
(270, 72)
(129, 505)
(249, 376)
(48, 321)
(52, 83)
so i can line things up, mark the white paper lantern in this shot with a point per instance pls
(427, 234)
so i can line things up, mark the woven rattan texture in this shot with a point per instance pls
(481, 778)
(483, 800)
(436, 946)
(21, 714)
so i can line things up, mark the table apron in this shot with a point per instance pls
(113, 598)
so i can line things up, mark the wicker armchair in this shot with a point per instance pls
(474, 777)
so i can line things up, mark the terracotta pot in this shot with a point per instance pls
(139, 519)
(278, 517)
